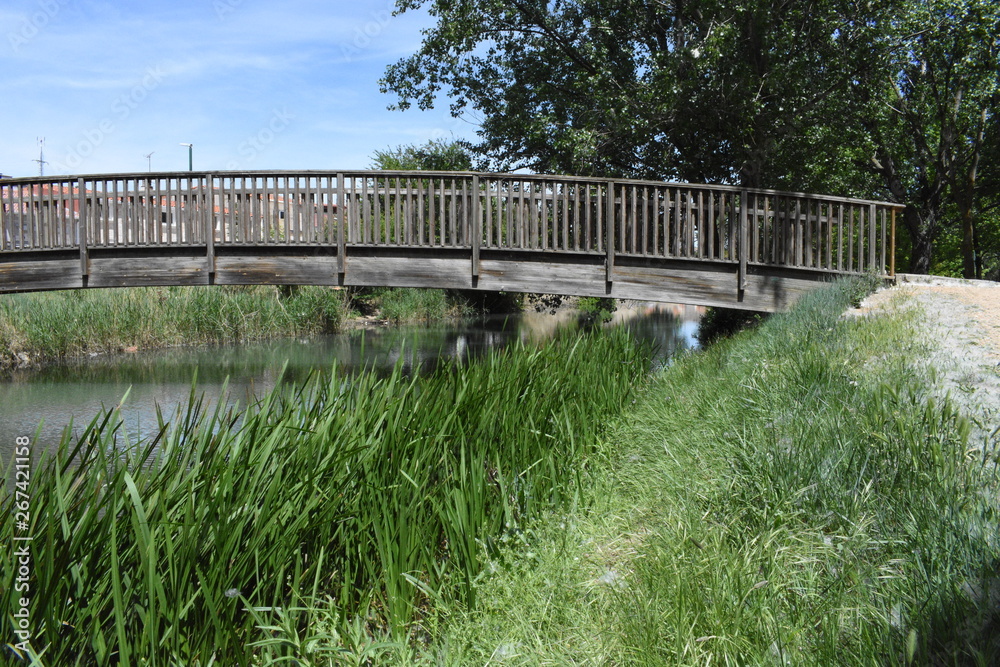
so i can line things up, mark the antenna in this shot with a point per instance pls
(41, 156)
(149, 160)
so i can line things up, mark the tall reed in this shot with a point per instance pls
(376, 495)
(59, 324)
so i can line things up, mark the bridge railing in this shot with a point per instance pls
(461, 210)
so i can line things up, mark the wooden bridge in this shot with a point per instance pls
(681, 243)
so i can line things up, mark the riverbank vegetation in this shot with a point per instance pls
(792, 495)
(49, 325)
(44, 326)
(364, 499)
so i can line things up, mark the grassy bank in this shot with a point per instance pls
(43, 326)
(790, 496)
(49, 325)
(333, 507)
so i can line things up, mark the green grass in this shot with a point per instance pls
(793, 495)
(403, 304)
(332, 520)
(51, 325)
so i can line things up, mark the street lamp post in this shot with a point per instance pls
(190, 156)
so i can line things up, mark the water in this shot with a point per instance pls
(68, 395)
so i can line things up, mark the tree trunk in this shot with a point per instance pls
(968, 243)
(921, 233)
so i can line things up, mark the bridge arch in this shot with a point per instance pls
(674, 242)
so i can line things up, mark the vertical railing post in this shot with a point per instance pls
(609, 234)
(341, 222)
(871, 237)
(81, 228)
(744, 241)
(208, 222)
(892, 245)
(477, 226)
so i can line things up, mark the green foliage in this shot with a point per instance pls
(719, 323)
(597, 309)
(927, 113)
(791, 496)
(485, 302)
(705, 91)
(890, 99)
(406, 304)
(323, 516)
(435, 155)
(60, 324)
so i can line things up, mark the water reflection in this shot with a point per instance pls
(68, 395)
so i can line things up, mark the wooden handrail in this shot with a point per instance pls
(473, 212)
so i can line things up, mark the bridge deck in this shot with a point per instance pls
(711, 245)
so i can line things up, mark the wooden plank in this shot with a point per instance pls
(208, 221)
(477, 231)
(892, 245)
(452, 216)
(464, 214)
(531, 210)
(147, 271)
(565, 215)
(293, 210)
(850, 238)
(860, 267)
(628, 233)
(609, 226)
(432, 200)
(599, 221)
(488, 229)
(744, 249)
(355, 231)
(710, 228)
(688, 244)
(872, 249)
(508, 213)
(240, 215)
(47, 274)
(341, 225)
(82, 228)
(798, 233)
(675, 226)
(45, 225)
(6, 219)
(117, 209)
(808, 234)
(726, 206)
(410, 230)
(840, 237)
(267, 270)
(367, 228)
(163, 221)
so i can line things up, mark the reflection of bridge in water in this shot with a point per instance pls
(683, 243)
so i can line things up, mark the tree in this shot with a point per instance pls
(935, 101)
(704, 90)
(435, 155)
(880, 99)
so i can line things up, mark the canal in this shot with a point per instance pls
(51, 399)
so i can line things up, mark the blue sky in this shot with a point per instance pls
(252, 84)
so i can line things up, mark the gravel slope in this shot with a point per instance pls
(962, 327)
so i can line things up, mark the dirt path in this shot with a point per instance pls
(962, 325)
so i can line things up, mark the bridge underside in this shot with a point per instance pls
(647, 279)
